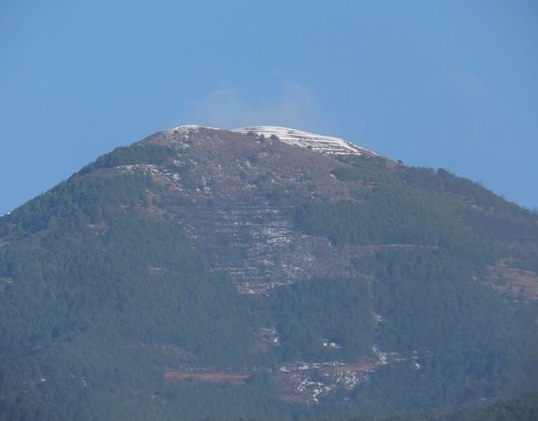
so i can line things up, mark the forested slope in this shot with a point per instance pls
(207, 274)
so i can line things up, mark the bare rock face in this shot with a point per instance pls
(236, 192)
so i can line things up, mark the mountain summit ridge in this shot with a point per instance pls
(317, 142)
(291, 136)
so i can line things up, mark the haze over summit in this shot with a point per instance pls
(449, 85)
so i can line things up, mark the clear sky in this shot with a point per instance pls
(450, 84)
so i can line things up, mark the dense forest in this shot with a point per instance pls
(103, 291)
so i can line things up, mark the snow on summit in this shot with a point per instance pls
(316, 142)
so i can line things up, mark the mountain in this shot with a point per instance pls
(264, 273)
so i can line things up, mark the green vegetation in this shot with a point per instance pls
(101, 295)
(312, 312)
(387, 215)
(524, 408)
(147, 153)
(428, 249)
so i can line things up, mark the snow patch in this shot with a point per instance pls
(316, 142)
(189, 128)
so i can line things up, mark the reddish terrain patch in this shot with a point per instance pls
(517, 283)
(206, 376)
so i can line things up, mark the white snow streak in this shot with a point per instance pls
(316, 142)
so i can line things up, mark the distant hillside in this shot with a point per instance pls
(264, 273)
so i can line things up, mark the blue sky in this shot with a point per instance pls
(450, 84)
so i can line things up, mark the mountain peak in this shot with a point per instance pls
(286, 268)
(317, 142)
(188, 128)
